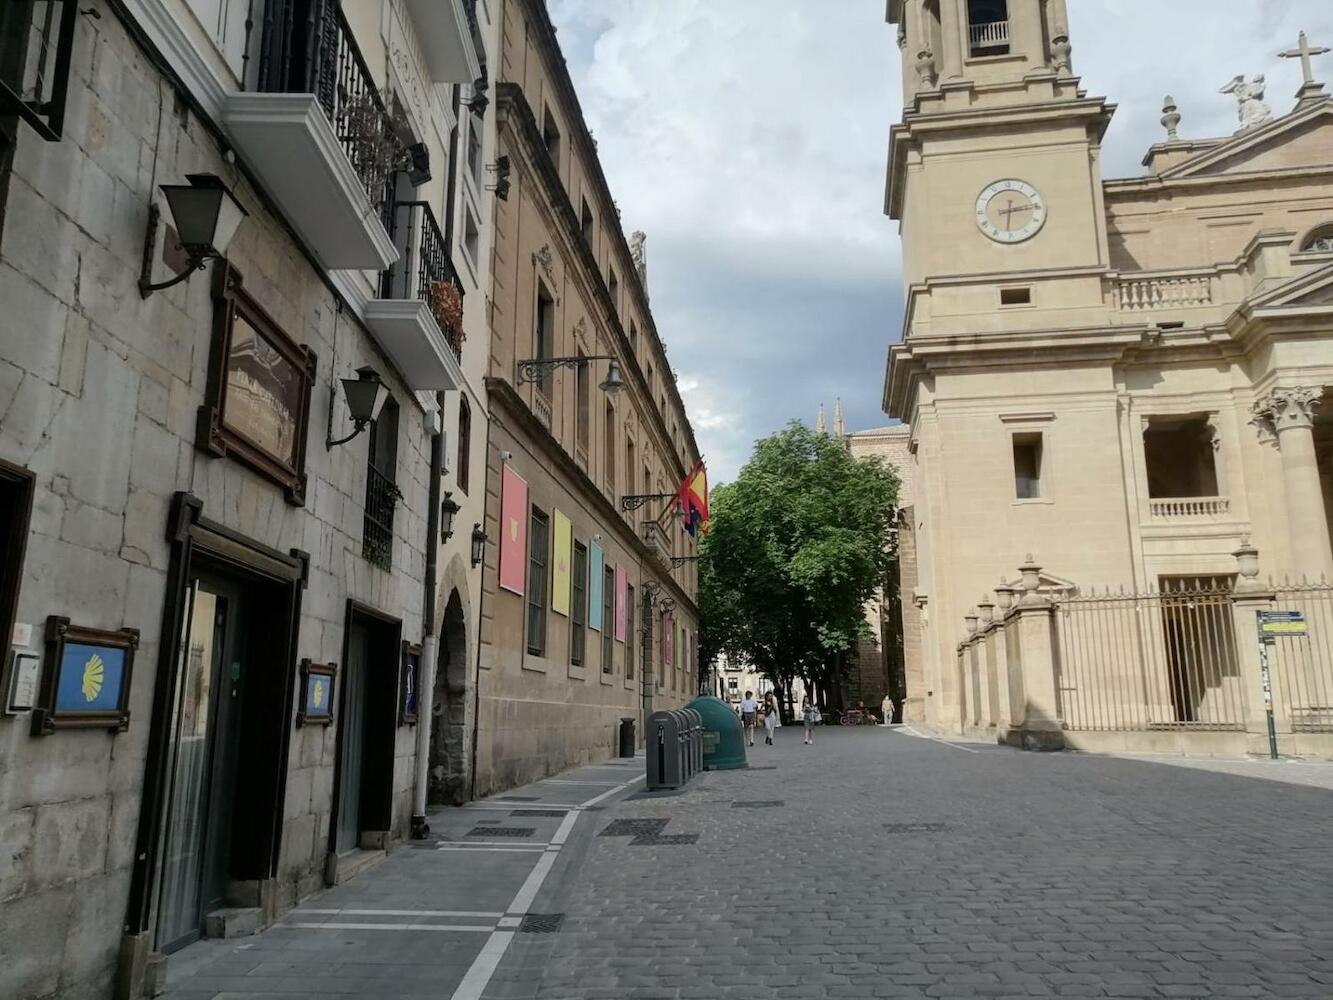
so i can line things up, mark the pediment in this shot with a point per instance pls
(1309, 290)
(1303, 139)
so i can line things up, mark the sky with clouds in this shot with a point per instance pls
(748, 139)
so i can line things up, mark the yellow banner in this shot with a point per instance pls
(560, 565)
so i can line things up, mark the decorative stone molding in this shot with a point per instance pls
(1285, 409)
(1062, 51)
(926, 72)
(545, 259)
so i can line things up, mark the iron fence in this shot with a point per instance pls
(424, 268)
(1164, 660)
(1302, 666)
(382, 496)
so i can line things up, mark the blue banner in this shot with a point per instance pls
(595, 586)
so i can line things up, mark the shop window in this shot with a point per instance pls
(578, 618)
(630, 640)
(16, 492)
(539, 545)
(544, 335)
(608, 618)
(1180, 457)
(382, 493)
(1027, 466)
(463, 471)
(257, 401)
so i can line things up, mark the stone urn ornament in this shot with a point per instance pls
(925, 69)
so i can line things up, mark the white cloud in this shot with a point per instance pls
(748, 138)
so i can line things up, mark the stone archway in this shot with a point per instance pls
(447, 783)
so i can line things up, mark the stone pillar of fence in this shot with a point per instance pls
(1035, 716)
(1004, 601)
(1248, 598)
(986, 662)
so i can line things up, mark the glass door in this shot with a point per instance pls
(353, 740)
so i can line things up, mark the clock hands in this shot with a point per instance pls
(1010, 210)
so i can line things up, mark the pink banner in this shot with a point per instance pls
(669, 639)
(513, 530)
(622, 603)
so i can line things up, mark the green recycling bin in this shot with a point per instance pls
(724, 738)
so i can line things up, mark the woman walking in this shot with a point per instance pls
(749, 715)
(772, 721)
(810, 715)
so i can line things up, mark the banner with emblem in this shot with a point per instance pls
(513, 530)
(560, 565)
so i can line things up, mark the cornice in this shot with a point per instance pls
(503, 395)
(540, 19)
(513, 110)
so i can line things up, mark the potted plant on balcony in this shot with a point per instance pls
(446, 305)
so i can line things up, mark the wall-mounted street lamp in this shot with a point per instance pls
(366, 396)
(679, 561)
(535, 369)
(500, 168)
(478, 545)
(479, 102)
(633, 501)
(205, 216)
(448, 509)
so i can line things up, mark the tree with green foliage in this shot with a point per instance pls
(795, 548)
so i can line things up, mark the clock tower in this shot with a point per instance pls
(994, 172)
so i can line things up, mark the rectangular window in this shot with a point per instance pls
(474, 161)
(16, 492)
(382, 494)
(471, 238)
(1180, 457)
(629, 465)
(1027, 466)
(462, 474)
(630, 638)
(1015, 296)
(539, 546)
(613, 286)
(544, 339)
(583, 401)
(608, 618)
(579, 615)
(988, 27)
(633, 337)
(610, 448)
(588, 225)
(551, 139)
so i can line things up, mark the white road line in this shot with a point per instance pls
(562, 781)
(389, 927)
(517, 805)
(936, 739)
(303, 911)
(484, 965)
(493, 850)
(497, 843)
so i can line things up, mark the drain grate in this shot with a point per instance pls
(634, 827)
(488, 822)
(762, 767)
(541, 923)
(916, 827)
(664, 839)
(501, 831)
(518, 798)
(552, 813)
(759, 804)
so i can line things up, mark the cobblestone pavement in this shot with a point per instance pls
(871, 864)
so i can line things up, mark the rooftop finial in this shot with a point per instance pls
(1170, 118)
(821, 424)
(839, 423)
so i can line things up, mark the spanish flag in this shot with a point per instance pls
(693, 497)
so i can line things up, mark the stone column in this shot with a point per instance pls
(1288, 414)
(1041, 726)
(1247, 599)
(1025, 34)
(1004, 711)
(986, 662)
(953, 29)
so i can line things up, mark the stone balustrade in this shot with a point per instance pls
(1174, 290)
(1177, 508)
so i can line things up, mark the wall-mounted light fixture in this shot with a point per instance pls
(205, 216)
(678, 561)
(366, 395)
(479, 102)
(535, 369)
(478, 545)
(501, 169)
(448, 509)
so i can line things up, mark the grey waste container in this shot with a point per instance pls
(627, 737)
(666, 757)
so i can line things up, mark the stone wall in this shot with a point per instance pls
(99, 391)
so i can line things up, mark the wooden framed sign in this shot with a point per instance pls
(316, 693)
(86, 684)
(407, 689)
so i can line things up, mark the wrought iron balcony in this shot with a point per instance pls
(424, 270)
(382, 496)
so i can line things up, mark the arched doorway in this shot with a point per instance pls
(448, 777)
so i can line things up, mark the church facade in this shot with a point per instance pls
(1109, 384)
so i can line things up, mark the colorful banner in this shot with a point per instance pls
(669, 635)
(513, 530)
(595, 587)
(560, 565)
(622, 603)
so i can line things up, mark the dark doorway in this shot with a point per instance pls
(367, 731)
(448, 780)
(225, 748)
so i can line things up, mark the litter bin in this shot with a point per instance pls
(666, 753)
(722, 737)
(627, 737)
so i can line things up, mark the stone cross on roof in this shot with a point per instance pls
(1304, 52)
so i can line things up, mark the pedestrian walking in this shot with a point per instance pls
(749, 716)
(810, 715)
(887, 707)
(772, 719)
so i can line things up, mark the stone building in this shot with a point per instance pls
(585, 618)
(214, 616)
(1120, 378)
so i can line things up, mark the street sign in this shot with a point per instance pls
(1283, 623)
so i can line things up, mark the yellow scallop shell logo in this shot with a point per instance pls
(317, 696)
(94, 671)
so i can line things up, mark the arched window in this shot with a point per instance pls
(464, 442)
(1320, 241)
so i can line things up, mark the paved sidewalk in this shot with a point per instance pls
(423, 921)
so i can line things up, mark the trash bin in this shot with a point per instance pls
(721, 736)
(666, 753)
(627, 737)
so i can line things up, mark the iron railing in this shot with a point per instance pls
(424, 267)
(36, 47)
(382, 496)
(1302, 666)
(1164, 660)
(316, 54)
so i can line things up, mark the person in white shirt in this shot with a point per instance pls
(887, 708)
(749, 714)
(772, 718)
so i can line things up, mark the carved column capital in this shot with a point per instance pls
(1285, 409)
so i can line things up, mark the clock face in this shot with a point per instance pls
(1011, 211)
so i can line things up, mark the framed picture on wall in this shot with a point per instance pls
(316, 693)
(86, 683)
(410, 670)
